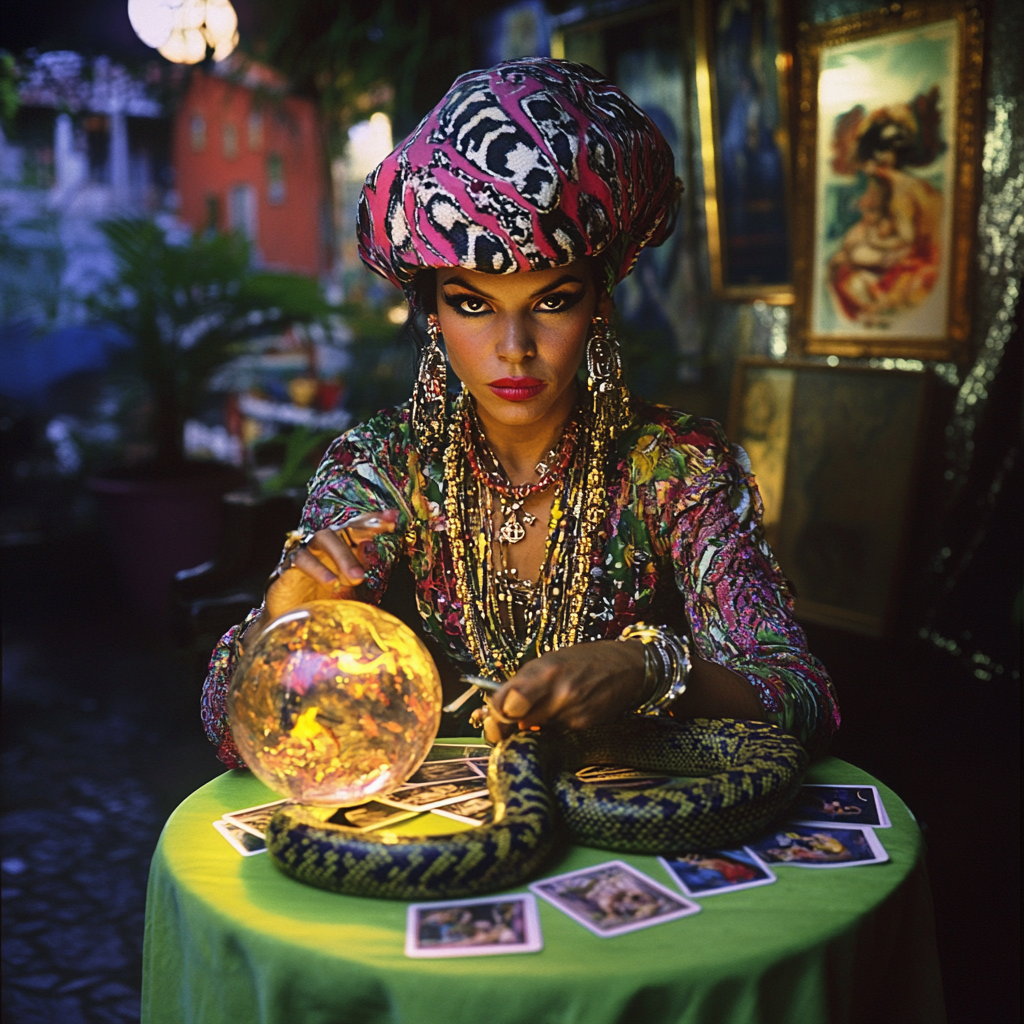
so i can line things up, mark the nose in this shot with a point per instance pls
(516, 343)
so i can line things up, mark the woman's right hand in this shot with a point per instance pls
(330, 566)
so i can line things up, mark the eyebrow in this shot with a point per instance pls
(461, 282)
(564, 279)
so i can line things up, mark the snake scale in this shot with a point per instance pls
(748, 773)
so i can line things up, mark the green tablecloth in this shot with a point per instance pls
(230, 939)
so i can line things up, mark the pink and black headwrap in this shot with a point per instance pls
(530, 165)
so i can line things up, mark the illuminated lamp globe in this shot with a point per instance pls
(152, 20)
(184, 46)
(336, 702)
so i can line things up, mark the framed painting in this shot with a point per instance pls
(836, 452)
(887, 152)
(742, 75)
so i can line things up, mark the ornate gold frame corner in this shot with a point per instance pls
(777, 294)
(895, 17)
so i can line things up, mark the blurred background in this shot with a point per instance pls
(185, 325)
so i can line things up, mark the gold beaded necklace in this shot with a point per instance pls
(554, 606)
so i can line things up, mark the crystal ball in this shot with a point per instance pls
(336, 702)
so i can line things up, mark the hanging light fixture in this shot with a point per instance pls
(181, 30)
(221, 28)
(186, 44)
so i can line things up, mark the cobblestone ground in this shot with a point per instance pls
(101, 741)
(74, 892)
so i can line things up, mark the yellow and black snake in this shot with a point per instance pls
(748, 773)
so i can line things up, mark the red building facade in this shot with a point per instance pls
(249, 157)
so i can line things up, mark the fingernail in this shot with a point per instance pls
(373, 522)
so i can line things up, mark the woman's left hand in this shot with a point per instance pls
(575, 687)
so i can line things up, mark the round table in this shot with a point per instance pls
(230, 939)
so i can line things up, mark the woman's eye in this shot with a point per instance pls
(558, 303)
(466, 305)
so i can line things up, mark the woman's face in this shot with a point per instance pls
(516, 340)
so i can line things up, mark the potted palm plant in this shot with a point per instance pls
(187, 308)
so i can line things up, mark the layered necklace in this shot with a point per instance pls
(486, 469)
(550, 611)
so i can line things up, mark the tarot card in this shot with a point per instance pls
(708, 874)
(477, 810)
(244, 842)
(254, 820)
(426, 798)
(369, 816)
(613, 898)
(476, 927)
(442, 751)
(444, 771)
(820, 846)
(854, 805)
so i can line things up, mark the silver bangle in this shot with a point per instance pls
(667, 656)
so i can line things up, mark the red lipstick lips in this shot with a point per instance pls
(517, 389)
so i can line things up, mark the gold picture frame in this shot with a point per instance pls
(888, 139)
(747, 195)
(836, 452)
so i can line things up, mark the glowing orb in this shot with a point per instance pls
(336, 702)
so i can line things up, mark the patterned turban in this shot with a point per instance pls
(530, 165)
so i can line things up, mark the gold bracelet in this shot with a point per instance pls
(671, 653)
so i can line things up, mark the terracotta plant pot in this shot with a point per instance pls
(159, 524)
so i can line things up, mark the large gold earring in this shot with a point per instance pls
(430, 392)
(608, 395)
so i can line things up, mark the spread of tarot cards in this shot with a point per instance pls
(452, 782)
(829, 826)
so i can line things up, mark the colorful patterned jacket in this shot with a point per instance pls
(683, 547)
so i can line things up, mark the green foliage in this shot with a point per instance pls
(360, 56)
(382, 361)
(188, 309)
(302, 447)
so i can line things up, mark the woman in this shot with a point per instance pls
(544, 519)
(888, 261)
